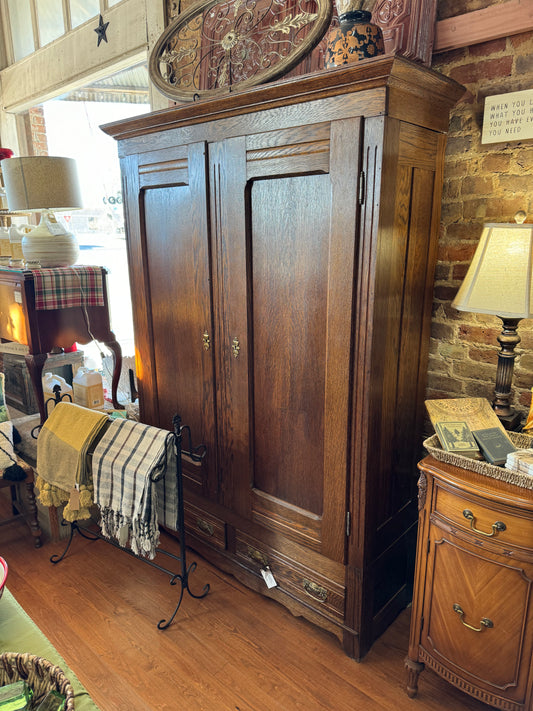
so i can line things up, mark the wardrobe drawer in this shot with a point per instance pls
(484, 521)
(204, 525)
(300, 581)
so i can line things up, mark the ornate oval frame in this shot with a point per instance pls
(215, 45)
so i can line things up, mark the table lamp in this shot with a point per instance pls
(44, 184)
(499, 282)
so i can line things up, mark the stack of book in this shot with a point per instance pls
(470, 428)
(520, 460)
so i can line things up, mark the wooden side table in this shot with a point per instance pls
(472, 616)
(44, 330)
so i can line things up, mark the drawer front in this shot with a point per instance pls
(205, 526)
(303, 583)
(478, 616)
(486, 522)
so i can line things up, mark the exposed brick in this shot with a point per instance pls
(452, 211)
(478, 334)
(455, 351)
(443, 386)
(463, 231)
(437, 365)
(458, 144)
(459, 271)
(451, 189)
(496, 163)
(474, 72)
(474, 209)
(444, 293)
(442, 272)
(483, 355)
(525, 399)
(473, 371)
(477, 186)
(484, 49)
(526, 363)
(516, 183)
(442, 332)
(477, 388)
(504, 209)
(524, 64)
(456, 252)
(517, 41)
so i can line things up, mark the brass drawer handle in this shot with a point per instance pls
(498, 526)
(258, 557)
(206, 341)
(485, 622)
(205, 527)
(235, 347)
(315, 591)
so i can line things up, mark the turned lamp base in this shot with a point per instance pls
(508, 340)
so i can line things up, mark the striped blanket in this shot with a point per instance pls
(126, 461)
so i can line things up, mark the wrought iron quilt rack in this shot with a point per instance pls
(196, 454)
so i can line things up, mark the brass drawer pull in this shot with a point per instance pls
(258, 557)
(235, 347)
(205, 527)
(315, 591)
(485, 622)
(206, 341)
(498, 526)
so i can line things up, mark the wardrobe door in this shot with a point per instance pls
(171, 287)
(286, 214)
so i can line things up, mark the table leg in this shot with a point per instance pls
(114, 346)
(35, 364)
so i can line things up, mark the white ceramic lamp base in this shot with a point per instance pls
(50, 249)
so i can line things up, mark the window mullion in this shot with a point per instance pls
(35, 24)
(9, 56)
(66, 15)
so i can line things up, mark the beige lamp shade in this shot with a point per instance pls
(499, 279)
(40, 183)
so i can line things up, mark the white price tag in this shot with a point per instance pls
(268, 578)
(17, 295)
(53, 225)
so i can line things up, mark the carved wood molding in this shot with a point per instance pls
(408, 27)
(509, 18)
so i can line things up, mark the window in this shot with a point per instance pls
(83, 10)
(50, 20)
(35, 23)
(21, 28)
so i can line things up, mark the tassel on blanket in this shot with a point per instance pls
(124, 464)
(62, 448)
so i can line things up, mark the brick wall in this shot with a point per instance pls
(482, 183)
(37, 128)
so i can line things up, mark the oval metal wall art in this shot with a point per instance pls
(214, 47)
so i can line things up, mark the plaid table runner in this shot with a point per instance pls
(67, 287)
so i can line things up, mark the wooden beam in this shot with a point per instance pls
(509, 18)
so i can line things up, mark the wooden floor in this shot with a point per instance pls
(232, 650)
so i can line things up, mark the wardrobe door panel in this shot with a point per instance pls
(293, 295)
(176, 247)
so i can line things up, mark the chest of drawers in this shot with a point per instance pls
(472, 617)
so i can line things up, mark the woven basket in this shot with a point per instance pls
(41, 676)
(520, 441)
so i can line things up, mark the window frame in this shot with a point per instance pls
(9, 57)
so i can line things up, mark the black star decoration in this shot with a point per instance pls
(101, 30)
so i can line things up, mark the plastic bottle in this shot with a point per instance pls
(88, 389)
(51, 379)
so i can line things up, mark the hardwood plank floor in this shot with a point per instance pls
(233, 650)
